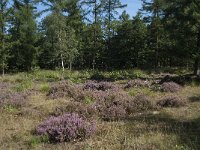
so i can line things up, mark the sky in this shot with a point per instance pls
(132, 7)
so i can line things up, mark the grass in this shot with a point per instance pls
(168, 128)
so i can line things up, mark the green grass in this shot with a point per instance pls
(45, 87)
(145, 91)
(22, 86)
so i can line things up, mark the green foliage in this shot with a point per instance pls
(69, 35)
(89, 100)
(4, 45)
(145, 91)
(9, 108)
(23, 86)
(44, 87)
(35, 140)
(23, 36)
(46, 75)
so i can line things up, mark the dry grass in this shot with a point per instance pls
(167, 128)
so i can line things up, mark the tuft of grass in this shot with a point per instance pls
(88, 100)
(22, 86)
(36, 140)
(142, 90)
(10, 108)
(44, 87)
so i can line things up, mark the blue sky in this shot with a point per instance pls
(132, 7)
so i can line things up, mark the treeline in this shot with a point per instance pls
(89, 34)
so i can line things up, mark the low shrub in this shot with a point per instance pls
(98, 77)
(65, 128)
(85, 111)
(99, 86)
(66, 89)
(113, 113)
(140, 103)
(115, 106)
(137, 83)
(171, 101)
(111, 105)
(13, 99)
(4, 85)
(170, 87)
(90, 85)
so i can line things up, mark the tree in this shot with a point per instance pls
(110, 11)
(129, 44)
(186, 16)
(95, 25)
(23, 35)
(153, 16)
(4, 53)
(60, 37)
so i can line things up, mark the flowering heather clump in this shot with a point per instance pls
(171, 101)
(99, 86)
(90, 85)
(65, 89)
(107, 104)
(139, 103)
(13, 99)
(170, 87)
(137, 83)
(112, 106)
(79, 108)
(4, 96)
(4, 86)
(65, 128)
(113, 113)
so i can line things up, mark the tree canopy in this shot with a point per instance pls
(86, 34)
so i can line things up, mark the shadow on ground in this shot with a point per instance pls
(195, 98)
(188, 132)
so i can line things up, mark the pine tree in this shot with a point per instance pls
(185, 16)
(110, 10)
(94, 10)
(130, 42)
(153, 10)
(4, 53)
(23, 35)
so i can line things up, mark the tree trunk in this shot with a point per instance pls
(70, 65)
(62, 62)
(3, 69)
(95, 36)
(197, 60)
(109, 24)
(196, 67)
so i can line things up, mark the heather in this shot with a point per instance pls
(13, 99)
(83, 110)
(65, 128)
(137, 83)
(171, 101)
(65, 89)
(4, 85)
(70, 111)
(170, 87)
(99, 86)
